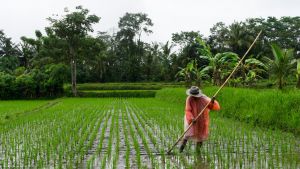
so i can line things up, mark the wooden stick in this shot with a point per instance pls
(217, 92)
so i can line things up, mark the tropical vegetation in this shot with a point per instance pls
(124, 56)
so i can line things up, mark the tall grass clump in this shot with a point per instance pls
(267, 108)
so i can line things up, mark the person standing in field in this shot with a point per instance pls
(199, 131)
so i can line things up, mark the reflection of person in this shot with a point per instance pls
(195, 102)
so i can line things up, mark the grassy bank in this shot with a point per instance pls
(123, 86)
(127, 90)
(114, 93)
(11, 109)
(266, 108)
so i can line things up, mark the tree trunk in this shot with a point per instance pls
(215, 78)
(244, 74)
(280, 83)
(73, 71)
(198, 83)
(298, 84)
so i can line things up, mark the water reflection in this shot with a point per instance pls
(200, 162)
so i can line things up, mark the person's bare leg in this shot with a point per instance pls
(183, 145)
(198, 146)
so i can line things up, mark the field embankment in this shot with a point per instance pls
(11, 109)
(128, 90)
(266, 108)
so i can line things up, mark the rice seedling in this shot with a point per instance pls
(135, 132)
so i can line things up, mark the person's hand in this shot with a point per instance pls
(213, 100)
(193, 121)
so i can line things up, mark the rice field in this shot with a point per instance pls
(134, 133)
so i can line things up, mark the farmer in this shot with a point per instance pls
(195, 102)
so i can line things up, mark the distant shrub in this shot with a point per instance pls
(34, 84)
(7, 85)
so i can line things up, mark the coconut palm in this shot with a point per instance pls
(282, 66)
(166, 60)
(238, 38)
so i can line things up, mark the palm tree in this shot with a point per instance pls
(166, 60)
(238, 38)
(282, 65)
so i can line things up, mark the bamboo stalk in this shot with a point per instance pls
(217, 92)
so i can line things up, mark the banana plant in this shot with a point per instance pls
(221, 65)
(187, 73)
(253, 68)
(192, 73)
(200, 74)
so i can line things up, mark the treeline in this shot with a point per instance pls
(123, 56)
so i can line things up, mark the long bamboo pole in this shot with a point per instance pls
(217, 92)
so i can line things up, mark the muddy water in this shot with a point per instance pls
(122, 144)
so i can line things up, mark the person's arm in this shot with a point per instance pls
(213, 105)
(188, 111)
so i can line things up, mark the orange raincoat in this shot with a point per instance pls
(194, 105)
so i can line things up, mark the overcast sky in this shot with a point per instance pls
(22, 17)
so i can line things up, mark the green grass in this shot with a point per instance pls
(123, 86)
(117, 91)
(63, 135)
(103, 132)
(260, 107)
(11, 109)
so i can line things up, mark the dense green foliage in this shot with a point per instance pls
(261, 107)
(123, 56)
(47, 82)
(71, 30)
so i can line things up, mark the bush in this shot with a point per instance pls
(34, 84)
(25, 86)
(7, 82)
